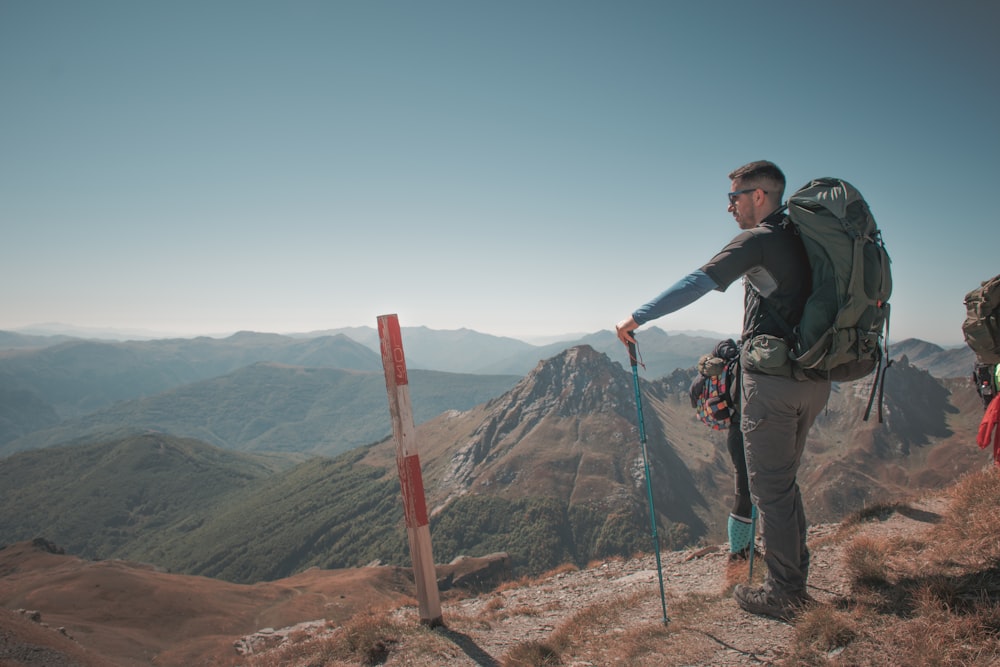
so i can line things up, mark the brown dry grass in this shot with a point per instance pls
(586, 634)
(866, 559)
(366, 640)
(933, 601)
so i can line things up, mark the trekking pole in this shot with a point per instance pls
(634, 360)
(753, 540)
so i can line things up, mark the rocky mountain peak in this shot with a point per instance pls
(575, 383)
(580, 380)
(916, 406)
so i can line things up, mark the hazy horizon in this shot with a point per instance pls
(114, 334)
(521, 169)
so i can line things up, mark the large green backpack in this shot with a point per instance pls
(845, 323)
(982, 322)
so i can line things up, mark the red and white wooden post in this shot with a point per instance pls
(410, 479)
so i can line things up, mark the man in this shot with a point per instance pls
(777, 410)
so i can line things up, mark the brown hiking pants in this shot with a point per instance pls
(777, 413)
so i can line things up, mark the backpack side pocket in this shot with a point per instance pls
(766, 354)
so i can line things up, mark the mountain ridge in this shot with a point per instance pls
(273, 407)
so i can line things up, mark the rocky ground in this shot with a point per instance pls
(701, 615)
(612, 613)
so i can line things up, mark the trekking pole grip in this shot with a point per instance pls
(632, 356)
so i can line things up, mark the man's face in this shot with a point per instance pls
(741, 205)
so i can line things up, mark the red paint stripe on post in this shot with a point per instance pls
(413, 496)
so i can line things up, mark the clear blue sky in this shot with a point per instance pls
(516, 168)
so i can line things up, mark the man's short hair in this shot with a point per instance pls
(762, 174)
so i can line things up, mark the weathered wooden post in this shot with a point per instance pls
(408, 462)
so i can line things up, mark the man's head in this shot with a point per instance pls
(757, 190)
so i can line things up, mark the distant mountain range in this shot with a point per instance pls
(456, 351)
(953, 362)
(54, 390)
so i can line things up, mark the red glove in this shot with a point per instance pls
(989, 429)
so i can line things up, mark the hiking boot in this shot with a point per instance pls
(758, 601)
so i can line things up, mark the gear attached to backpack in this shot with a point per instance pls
(984, 378)
(711, 391)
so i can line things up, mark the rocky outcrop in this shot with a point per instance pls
(43, 544)
(474, 574)
(578, 382)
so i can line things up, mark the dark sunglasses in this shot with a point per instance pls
(733, 195)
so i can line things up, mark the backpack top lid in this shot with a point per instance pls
(833, 197)
(833, 194)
